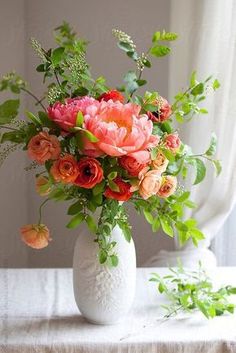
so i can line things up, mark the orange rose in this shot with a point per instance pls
(65, 169)
(43, 147)
(124, 193)
(168, 186)
(35, 235)
(149, 183)
(131, 164)
(160, 163)
(42, 186)
(90, 173)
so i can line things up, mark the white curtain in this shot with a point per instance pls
(207, 44)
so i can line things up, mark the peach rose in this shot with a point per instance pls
(65, 169)
(160, 163)
(43, 147)
(149, 183)
(132, 166)
(42, 186)
(35, 235)
(172, 142)
(168, 186)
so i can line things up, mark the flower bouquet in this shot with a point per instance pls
(98, 148)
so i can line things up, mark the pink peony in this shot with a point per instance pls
(120, 131)
(65, 114)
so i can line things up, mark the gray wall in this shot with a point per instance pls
(19, 20)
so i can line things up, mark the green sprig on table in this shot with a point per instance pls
(190, 291)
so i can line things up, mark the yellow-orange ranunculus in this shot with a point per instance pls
(35, 235)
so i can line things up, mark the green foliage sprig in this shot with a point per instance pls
(190, 291)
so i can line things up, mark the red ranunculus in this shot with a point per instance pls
(124, 193)
(90, 173)
(131, 164)
(163, 111)
(113, 95)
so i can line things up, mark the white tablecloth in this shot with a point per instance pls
(38, 314)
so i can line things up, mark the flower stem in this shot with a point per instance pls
(35, 98)
(40, 210)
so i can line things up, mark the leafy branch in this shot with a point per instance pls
(190, 291)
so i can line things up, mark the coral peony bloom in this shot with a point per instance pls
(65, 169)
(35, 235)
(124, 193)
(43, 147)
(132, 166)
(160, 163)
(163, 111)
(113, 95)
(168, 186)
(120, 131)
(65, 114)
(172, 142)
(42, 186)
(149, 183)
(90, 173)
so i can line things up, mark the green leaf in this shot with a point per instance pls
(35, 120)
(75, 221)
(57, 55)
(200, 170)
(199, 89)
(193, 80)
(125, 46)
(155, 225)
(184, 196)
(91, 137)
(141, 82)
(202, 308)
(169, 36)
(166, 225)
(75, 208)
(197, 234)
(102, 255)
(112, 175)
(156, 36)
(148, 216)
(113, 186)
(212, 148)
(114, 260)
(79, 119)
(9, 110)
(216, 84)
(98, 188)
(12, 136)
(217, 166)
(159, 50)
(91, 223)
(45, 121)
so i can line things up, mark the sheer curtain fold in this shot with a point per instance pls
(207, 44)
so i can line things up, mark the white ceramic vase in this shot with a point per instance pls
(104, 294)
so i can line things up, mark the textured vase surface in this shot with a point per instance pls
(104, 294)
